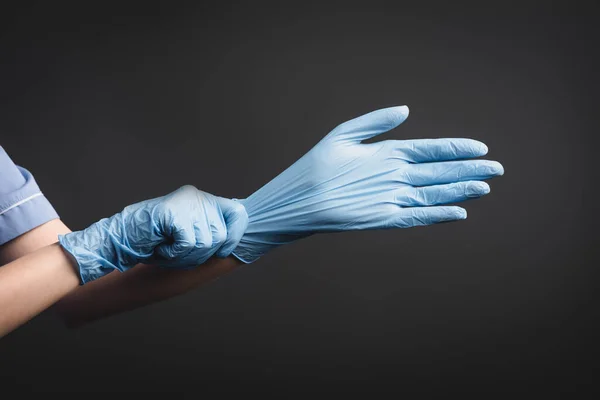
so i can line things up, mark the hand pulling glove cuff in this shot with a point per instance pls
(180, 230)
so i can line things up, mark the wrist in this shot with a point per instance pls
(97, 250)
(269, 226)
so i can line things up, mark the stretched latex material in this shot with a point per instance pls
(342, 184)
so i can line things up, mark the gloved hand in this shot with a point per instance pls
(180, 230)
(342, 184)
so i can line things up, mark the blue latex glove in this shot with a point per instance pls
(342, 184)
(180, 230)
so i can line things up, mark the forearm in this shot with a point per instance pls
(33, 283)
(33, 240)
(137, 287)
(115, 292)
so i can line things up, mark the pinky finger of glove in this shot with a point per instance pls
(419, 216)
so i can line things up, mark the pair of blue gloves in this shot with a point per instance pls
(341, 184)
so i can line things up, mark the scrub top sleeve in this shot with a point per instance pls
(22, 204)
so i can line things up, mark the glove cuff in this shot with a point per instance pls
(97, 250)
(90, 265)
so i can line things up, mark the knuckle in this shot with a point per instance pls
(419, 196)
(465, 189)
(420, 218)
(403, 197)
(186, 244)
(240, 211)
(220, 235)
(238, 208)
(203, 242)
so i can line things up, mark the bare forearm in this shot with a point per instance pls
(115, 292)
(33, 283)
(140, 286)
(33, 240)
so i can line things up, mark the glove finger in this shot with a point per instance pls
(180, 242)
(371, 124)
(209, 232)
(441, 194)
(431, 150)
(203, 244)
(448, 172)
(203, 247)
(218, 231)
(236, 220)
(215, 222)
(418, 216)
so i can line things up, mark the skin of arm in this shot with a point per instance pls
(115, 292)
(33, 283)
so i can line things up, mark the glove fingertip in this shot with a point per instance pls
(403, 111)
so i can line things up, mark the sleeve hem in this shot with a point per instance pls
(18, 203)
(26, 216)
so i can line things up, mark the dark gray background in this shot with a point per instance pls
(109, 104)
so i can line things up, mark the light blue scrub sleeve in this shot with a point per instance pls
(22, 204)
